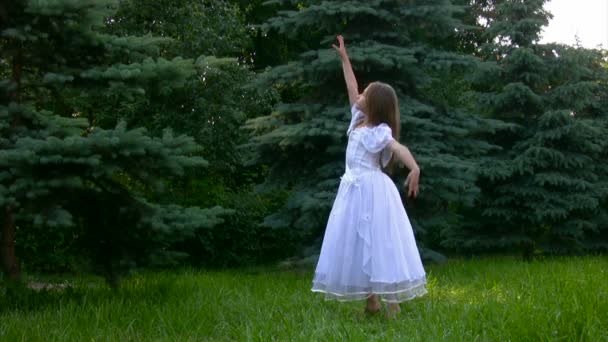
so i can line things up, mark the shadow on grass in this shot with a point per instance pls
(31, 297)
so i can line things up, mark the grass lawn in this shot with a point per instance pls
(503, 299)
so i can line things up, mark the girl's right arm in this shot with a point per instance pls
(349, 75)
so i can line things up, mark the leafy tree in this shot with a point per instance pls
(213, 104)
(210, 107)
(208, 27)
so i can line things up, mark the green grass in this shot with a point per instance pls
(563, 299)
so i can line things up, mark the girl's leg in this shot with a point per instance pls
(373, 304)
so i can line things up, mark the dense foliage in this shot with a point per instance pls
(121, 119)
(545, 189)
(60, 170)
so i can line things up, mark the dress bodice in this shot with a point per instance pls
(366, 147)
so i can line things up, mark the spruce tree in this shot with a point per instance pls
(304, 139)
(544, 189)
(57, 168)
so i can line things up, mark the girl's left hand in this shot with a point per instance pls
(412, 183)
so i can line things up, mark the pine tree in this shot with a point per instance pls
(543, 190)
(58, 170)
(401, 43)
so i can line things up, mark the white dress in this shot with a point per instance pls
(369, 245)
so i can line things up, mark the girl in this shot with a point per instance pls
(369, 251)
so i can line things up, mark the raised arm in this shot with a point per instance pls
(405, 156)
(349, 75)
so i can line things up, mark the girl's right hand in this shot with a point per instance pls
(412, 183)
(340, 48)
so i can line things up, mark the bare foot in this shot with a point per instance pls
(373, 304)
(393, 310)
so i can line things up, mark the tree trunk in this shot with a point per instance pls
(8, 256)
(3, 14)
(16, 76)
(10, 265)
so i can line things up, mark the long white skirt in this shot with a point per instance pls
(369, 246)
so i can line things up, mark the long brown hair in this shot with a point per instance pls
(382, 106)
